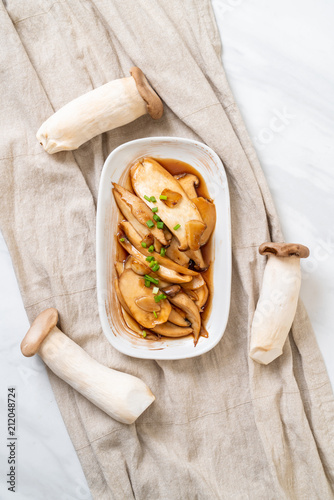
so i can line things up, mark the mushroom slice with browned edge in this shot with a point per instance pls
(119, 266)
(170, 330)
(174, 253)
(182, 301)
(207, 210)
(132, 208)
(278, 300)
(140, 300)
(177, 319)
(202, 297)
(149, 179)
(163, 272)
(135, 327)
(135, 240)
(183, 258)
(195, 283)
(189, 183)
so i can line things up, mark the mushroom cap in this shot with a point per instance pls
(38, 331)
(284, 250)
(153, 101)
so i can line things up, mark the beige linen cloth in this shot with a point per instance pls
(222, 427)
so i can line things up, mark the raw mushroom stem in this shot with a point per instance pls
(278, 300)
(122, 396)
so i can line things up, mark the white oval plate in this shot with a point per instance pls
(115, 169)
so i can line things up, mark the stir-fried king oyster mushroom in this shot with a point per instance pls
(189, 183)
(158, 293)
(278, 300)
(135, 240)
(137, 213)
(183, 219)
(140, 301)
(112, 105)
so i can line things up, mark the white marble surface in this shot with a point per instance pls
(278, 59)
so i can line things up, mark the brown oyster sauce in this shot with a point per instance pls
(176, 167)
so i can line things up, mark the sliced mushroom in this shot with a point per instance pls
(131, 323)
(126, 212)
(133, 207)
(148, 176)
(170, 330)
(202, 297)
(132, 287)
(148, 240)
(171, 290)
(119, 266)
(195, 283)
(167, 233)
(183, 258)
(147, 303)
(164, 273)
(182, 301)
(189, 183)
(138, 267)
(172, 198)
(207, 209)
(134, 239)
(177, 318)
(132, 263)
(193, 295)
(134, 326)
(180, 312)
(120, 297)
(174, 253)
(194, 232)
(197, 257)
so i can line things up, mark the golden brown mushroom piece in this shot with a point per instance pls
(140, 302)
(137, 213)
(184, 219)
(189, 183)
(278, 300)
(182, 301)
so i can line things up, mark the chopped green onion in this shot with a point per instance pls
(155, 314)
(157, 298)
(122, 239)
(176, 227)
(156, 218)
(155, 209)
(150, 223)
(143, 244)
(147, 198)
(160, 225)
(153, 263)
(147, 283)
(152, 280)
(144, 333)
(163, 251)
(155, 290)
(163, 197)
(151, 248)
(156, 267)
(149, 258)
(153, 199)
